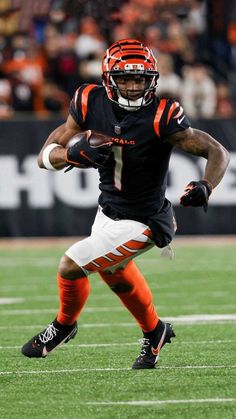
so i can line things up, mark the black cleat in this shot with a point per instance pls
(49, 339)
(150, 352)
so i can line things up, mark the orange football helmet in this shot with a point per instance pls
(126, 58)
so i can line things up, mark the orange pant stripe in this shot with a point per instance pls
(111, 259)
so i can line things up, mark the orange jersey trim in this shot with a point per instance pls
(84, 99)
(179, 113)
(158, 116)
(171, 110)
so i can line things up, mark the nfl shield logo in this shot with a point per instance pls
(117, 129)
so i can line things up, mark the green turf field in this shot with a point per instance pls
(91, 376)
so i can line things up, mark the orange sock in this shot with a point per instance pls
(73, 295)
(134, 292)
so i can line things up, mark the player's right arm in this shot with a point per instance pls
(88, 150)
(57, 155)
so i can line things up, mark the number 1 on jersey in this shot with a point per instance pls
(117, 151)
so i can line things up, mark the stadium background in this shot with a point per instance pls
(48, 48)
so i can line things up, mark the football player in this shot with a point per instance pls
(140, 132)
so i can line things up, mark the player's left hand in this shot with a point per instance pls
(196, 194)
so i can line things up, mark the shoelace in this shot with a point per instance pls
(145, 344)
(48, 333)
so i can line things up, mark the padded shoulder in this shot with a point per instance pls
(169, 118)
(79, 103)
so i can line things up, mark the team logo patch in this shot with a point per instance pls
(117, 129)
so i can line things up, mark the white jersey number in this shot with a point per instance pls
(118, 167)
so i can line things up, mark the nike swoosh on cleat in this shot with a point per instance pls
(67, 338)
(181, 119)
(44, 352)
(155, 351)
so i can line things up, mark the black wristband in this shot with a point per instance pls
(208, 185)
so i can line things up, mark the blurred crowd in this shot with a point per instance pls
(49, 47)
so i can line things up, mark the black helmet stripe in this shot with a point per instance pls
(127, 56)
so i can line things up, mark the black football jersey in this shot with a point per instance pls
(135, 178)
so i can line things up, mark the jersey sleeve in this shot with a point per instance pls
(174, 118)
(76, 108)
(79, 104)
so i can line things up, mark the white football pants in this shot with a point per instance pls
(111, 244)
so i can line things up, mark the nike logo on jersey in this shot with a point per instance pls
(180, 119)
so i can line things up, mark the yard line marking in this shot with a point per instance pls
(202, 307)
(11, 300)
(101, 309)
(26, 311)
(160, 402)
(105, 295)
(84, 326)
(74, 370)
(199, 318)
(33, 285)
(84, 345)
(108, 345)
(63, 371)
(8, 262)
(187, 367)
(182, 320)
(53, 310)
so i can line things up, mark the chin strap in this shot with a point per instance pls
(130, 105)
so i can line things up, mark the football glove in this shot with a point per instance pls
(83, 155)
(196, 194)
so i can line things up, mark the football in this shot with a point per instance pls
(95, 139)
(88, 149)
